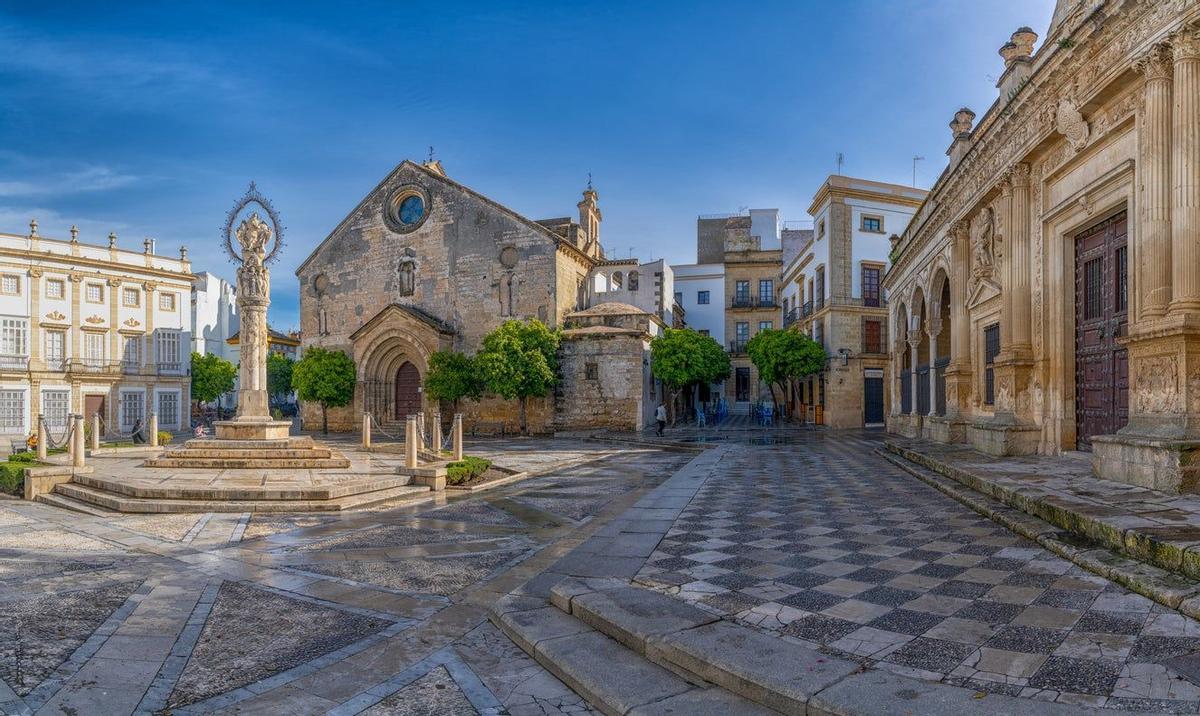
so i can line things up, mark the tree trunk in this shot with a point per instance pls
(524, 427)
(774, 402)
(324, 419)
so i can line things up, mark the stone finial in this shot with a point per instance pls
(74, 234)
(183, 253)
(1010, 52)
(147, 244)
(964, 119)
(112, 239)
(33, 226)
(1024, 38)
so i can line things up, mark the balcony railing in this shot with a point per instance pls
(94, 366)
(753, 302)
(170, 368)
(791, 317)
(737, 347)
(14, 362)
(806, 310)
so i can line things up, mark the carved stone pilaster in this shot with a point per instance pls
(1154, 209)
(1185, 169)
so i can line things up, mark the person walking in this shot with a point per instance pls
(660, 417)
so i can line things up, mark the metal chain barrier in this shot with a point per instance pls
(68, 431)
(376, 426)
(105, 429)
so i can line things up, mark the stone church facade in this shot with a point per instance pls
(423, 264)
(1050, 283)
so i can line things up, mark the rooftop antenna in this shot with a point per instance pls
(841, 159)
(915, 160)
(630, 252)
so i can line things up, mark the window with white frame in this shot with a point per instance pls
(93, 347)
(56, 347)
(12, 412)
(131, 351)
(13, 336)
(168, 349)
(55, 288)
(133, 406)
(168, 410)
(131, 297)
(10, 284)
(94, 293)
(56, 404)
(166, 301)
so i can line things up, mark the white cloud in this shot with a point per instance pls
(87, 178)
(52, 224)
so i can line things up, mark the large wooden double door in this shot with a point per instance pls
(408, 393)
(1101, 316)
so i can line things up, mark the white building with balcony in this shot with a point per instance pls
(91, 329)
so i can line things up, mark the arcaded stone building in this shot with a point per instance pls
(423, 264)
(1056, 262)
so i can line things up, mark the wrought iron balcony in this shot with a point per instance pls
(791, 317)
(94, 366)
(170, 368)
(737, 347)
(753, 302)
(806, 310)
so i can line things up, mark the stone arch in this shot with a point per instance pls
(616, 281)
(633, 280)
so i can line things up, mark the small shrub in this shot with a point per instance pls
(164, 437)
(23, 457)
(466, 469)
(12, 478)
(277, 414)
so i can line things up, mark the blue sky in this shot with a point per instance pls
(151, 119)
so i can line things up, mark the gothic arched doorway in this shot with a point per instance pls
(408, 395)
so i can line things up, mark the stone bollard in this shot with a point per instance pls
(77, 442)
(457, 433)
(366, 431)
(410, 441)
(153, 430)
(43, 437)
(95, 431)
(437, 434)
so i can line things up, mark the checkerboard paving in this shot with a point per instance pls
(822, 541)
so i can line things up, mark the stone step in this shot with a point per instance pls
(698, 646)
(612, 678)
(70, 503)
(250, 463)
(294, 443)
(171, 490)
(316, 453)
(124, 503)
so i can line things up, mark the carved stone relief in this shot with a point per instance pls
(1157, 385)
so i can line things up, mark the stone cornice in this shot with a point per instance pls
(45, 261)
(1014, 127)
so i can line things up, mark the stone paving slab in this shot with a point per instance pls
(822, 542)
(1150, 525)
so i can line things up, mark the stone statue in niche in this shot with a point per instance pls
(984, 251)
(406, 273)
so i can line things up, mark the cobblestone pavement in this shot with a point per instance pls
(820, 540)
(381, 611)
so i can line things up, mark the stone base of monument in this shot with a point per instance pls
(252, 429)
(226, 453)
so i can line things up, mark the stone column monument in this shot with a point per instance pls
(256, 244)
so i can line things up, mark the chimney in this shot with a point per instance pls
(1018, 62)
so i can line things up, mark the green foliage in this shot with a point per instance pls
(783, 355)
(12, 478)
(277, 414)
(466, 469)
(325, 377)
(164, 437)
(681, 357)
(279, 374)
(212, 377)
(23, 457)
(519, 360)
(453, 376)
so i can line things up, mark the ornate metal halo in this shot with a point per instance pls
(252, 196)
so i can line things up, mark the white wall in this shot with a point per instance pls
(214, 316)
(764, 223)
(690, 279)
(869, 246)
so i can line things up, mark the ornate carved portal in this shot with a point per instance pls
(1101, 307)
